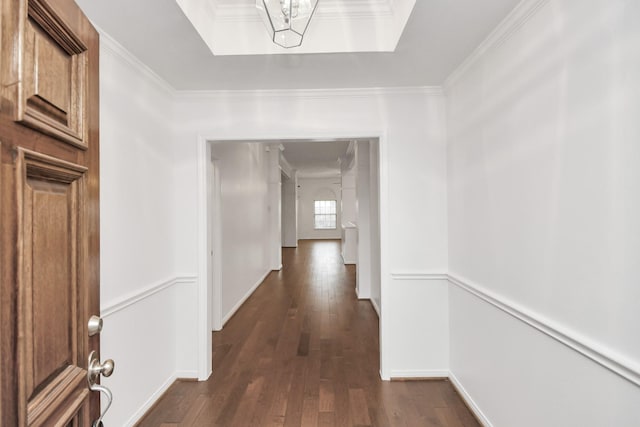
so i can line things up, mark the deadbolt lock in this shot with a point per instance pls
(94, 326)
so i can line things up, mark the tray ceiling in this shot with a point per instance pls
(233, 27)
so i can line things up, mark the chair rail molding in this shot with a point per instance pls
(419, 275)
(132, 298)
(616, 363)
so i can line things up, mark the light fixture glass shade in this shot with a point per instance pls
(286, 20)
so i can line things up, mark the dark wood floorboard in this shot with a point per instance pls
(303, 351)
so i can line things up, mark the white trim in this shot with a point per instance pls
(310, 93)
(187, 375)
(205, 352)
(132, 298)
(235, 308)
(509, 25)
(417, 275)
(375, 306)
(111, 45)
(243, 12)
(603, 356)
(362, 297)
(204, 339)
(383, 212)
(137, 416)
(419, 373)
(469, 400)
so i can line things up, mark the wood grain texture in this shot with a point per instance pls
(303, 351)
(49, 192)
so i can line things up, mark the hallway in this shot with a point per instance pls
(303, 351)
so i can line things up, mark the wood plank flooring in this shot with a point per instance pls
(303, 351)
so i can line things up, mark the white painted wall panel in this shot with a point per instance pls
(246, 251)
(374, 203)
(290, 211)
(137, 215)
(519, 376)
(544, 201)
(363, 215)
(419, 346)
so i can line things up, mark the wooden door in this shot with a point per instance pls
(49, 211)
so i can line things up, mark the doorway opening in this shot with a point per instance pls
(360, 182)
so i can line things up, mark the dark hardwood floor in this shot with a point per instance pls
(303, 351)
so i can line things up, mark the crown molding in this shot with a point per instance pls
(111, 45)
(503, 32)
(311, 93)
(331, 9)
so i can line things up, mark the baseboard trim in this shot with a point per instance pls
(615, 363)
(375, 306)
(468, 400)
(151, 401)
(187, 375)
(235, 308)
(404, 374)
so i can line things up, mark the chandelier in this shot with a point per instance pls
(286, 20)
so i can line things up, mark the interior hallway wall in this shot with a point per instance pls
(244, 199)
(140, 287)
(363, 215)
(544, 201)
(374, 221)
(290, 211)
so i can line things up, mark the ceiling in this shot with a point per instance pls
(438, 36)
(233, 27)
(317, 159)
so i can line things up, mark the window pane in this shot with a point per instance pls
(325, 214)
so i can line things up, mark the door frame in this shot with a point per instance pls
(214, 241)
(206, 293)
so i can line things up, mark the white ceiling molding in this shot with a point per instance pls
(519, 16)
(233, 10)
(233, 27)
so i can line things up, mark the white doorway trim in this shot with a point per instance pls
(214, 240)
(205, 297)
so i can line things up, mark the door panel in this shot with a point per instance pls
(54, 77)
(49, 211)
(52, 307)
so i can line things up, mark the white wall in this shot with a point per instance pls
(348, 185)
(411, 124)
(310, 190)
(139, 280)
(374, 221)
(363, 215)
(244, 198)
(544, 201)
(290, 211)
(274, 206)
